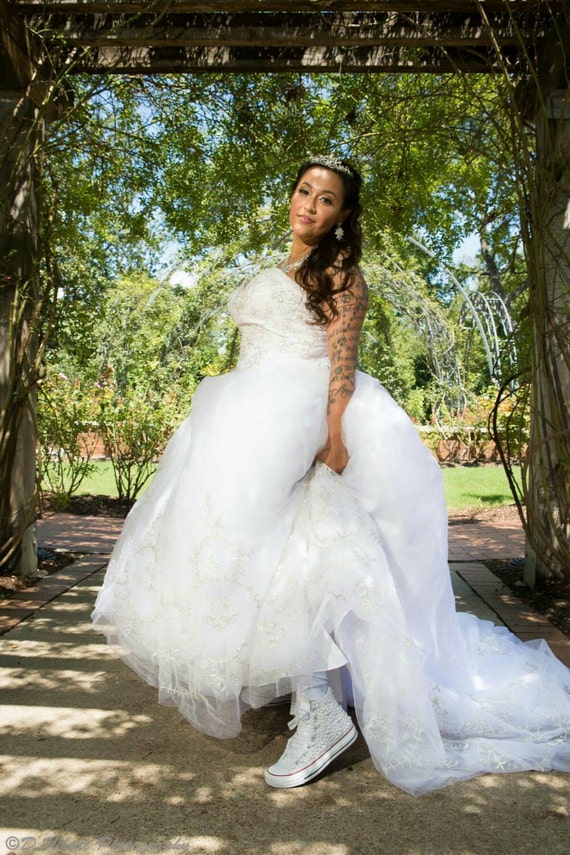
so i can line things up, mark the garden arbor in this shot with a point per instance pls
(526, 41)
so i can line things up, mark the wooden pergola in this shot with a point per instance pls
(248, 36)
(43, 39)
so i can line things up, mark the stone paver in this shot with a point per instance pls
(24, 603)
(73, 533)
(478, 541)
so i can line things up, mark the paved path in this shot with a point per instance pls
(91, 764)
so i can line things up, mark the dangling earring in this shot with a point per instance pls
(339, 232)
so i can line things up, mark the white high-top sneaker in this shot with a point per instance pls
(323, 732)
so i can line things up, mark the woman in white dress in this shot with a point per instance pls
(296, 530)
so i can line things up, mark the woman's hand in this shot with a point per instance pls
(334, 456)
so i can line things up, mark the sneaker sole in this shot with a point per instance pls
(307, 773)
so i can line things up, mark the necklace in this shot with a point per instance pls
(294, 264)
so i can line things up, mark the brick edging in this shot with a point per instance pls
(520, 618)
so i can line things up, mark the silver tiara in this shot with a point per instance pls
(331, 163)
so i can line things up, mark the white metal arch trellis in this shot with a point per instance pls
(489, 315)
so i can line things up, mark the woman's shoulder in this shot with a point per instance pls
(350, 293)
(351, 280)
(357, 280)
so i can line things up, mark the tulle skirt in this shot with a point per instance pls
(244, 566)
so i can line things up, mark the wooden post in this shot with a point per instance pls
(548, 541)
(19, 136)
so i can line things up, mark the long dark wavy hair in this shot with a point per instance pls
(331, 256)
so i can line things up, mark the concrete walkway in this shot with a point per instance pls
(92, 764)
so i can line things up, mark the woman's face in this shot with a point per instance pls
(316, 204)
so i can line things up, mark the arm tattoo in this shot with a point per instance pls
(343, 336)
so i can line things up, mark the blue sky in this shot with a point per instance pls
(467, 250)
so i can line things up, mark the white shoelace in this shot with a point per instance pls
(303, 736)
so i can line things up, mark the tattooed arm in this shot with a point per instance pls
(343, 336)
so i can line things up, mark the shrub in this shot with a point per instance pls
(135, 427)
(66, 413)
(466, 437)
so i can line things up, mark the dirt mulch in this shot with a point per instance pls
(502, 513)
(49, 561)
(108, 506)
(550, 598)
(90, 506)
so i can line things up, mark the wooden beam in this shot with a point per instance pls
(552, 61)
(84, 7)
(266, 35)
(18, 64)
(554, 57)
(21, 71)
(272, 30)
(144, 60)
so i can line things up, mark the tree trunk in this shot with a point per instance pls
(20, 135)
(548, 250)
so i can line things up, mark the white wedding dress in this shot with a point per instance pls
(243, 566)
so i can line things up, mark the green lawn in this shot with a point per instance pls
(101, 482)
(465, 486)
(477, 486)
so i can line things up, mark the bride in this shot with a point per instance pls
(294, 539)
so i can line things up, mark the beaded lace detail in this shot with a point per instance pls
(274, 322)
(319, 724)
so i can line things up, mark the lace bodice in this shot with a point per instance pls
(274, 322)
